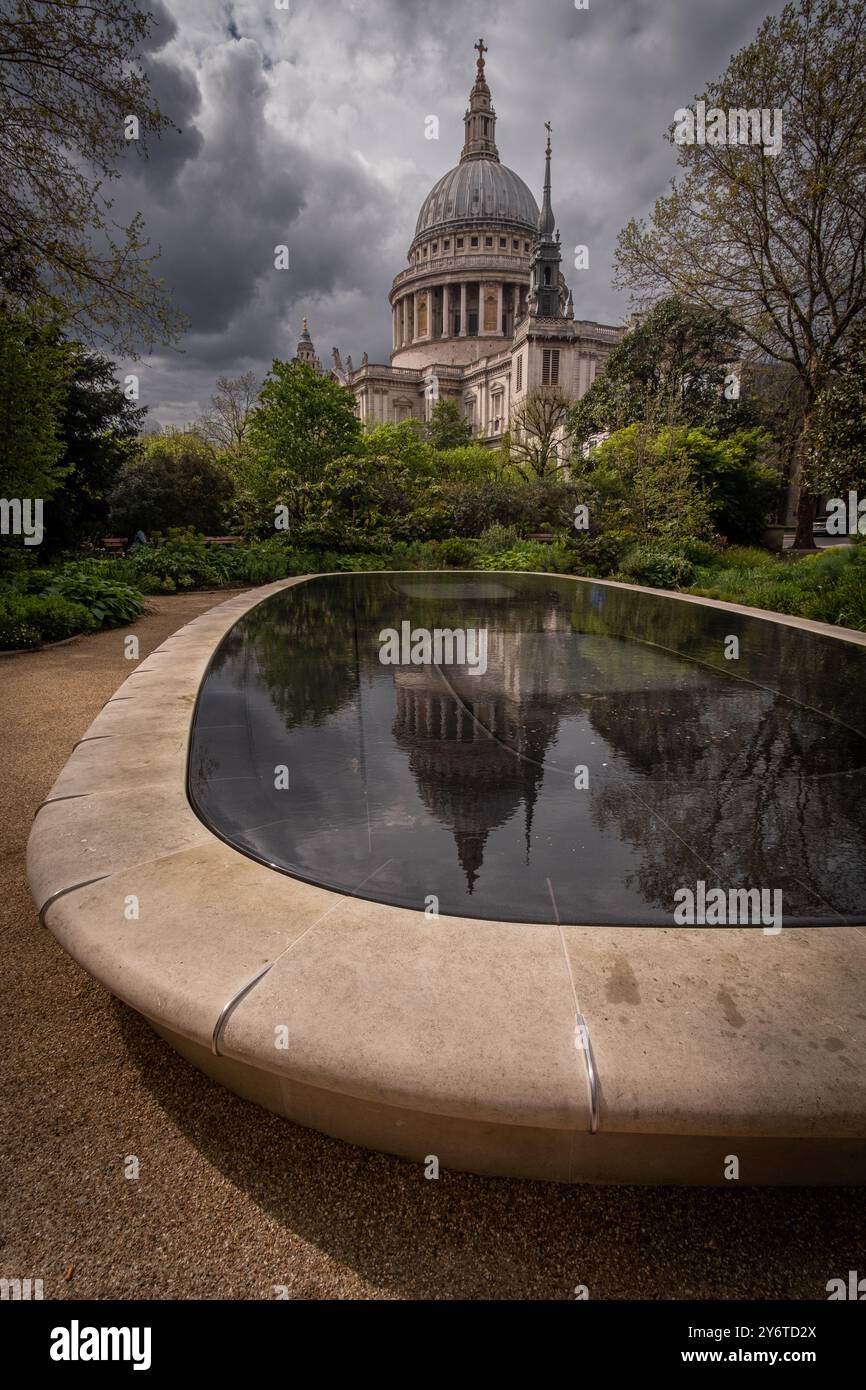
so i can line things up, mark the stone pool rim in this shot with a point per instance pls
(494, 1048)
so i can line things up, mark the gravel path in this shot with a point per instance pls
(232, 1201)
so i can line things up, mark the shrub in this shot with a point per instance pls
(522, 555)
(498, 537)
(457, 552)
(658, 566)
(745, 557)
(175, 481)
(28, 619)
(109, 603)
(179, 560)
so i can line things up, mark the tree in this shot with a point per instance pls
(99, 429)
(303, 422)
(446, 428)
(540, 432)
(739, 483)
(70, 79)
(227, 422)
(644, 486)
(839, 460)
(174, 480)
(34, 380)
(776, 239)
(672, 367)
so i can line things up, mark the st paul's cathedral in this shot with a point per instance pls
(482, 313)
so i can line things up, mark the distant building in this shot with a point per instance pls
(482, 314)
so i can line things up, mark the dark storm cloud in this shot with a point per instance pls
(307, 128)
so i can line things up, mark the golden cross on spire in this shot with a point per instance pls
(482, 49)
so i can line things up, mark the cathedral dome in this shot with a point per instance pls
(478, 190)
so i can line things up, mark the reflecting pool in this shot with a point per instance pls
(594, 751)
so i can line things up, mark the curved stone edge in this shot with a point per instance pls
(519, 1094)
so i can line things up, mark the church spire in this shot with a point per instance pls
(544, 272)
(546, 221)
(480, 117)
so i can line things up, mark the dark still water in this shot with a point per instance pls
(594, 752)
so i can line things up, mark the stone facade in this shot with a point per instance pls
(482, 314)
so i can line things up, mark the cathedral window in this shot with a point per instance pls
(550, 367)
(473, 241)
(502, 243)
(460, 243)
(526, 246)
(515, 244)
(446, 245)
(435, 246)
(488, 241)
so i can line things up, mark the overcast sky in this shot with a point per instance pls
(306, 127)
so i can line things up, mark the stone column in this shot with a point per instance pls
(462, 308)
(394, 342)
(414, 316)
(446, 312)
(404, 317)
(500, 289)
(516, 306)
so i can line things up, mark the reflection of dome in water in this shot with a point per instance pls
(471, 782)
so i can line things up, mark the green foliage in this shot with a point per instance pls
(178, 560)
(669, 369)
(446, 428)
(740, 485)
(458, 552)
(34, 375)
(658, 566)
(645, 485)
(303, 422)
(28, 619)
(109, 603)
(174, 481)
(839, 457)
(99, 429)
(829, 586)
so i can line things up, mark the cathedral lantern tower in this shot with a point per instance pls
(480, 118)
(306, 352)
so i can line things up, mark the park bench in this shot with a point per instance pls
(114, 545)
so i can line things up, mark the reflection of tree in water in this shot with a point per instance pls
(737, 779)
(720, 771)
(302, 646)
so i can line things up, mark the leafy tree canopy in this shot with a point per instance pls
(70, 76)
(777, 239)
(174, 481)
(839, 458)
(34, 382)
(446, 428)
(670, 368)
